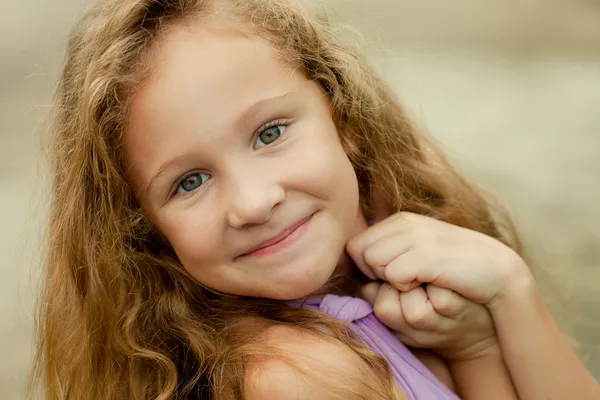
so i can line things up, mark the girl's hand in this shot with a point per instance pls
(406, 250)
(434, 318)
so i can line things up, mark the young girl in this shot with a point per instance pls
(215, 163)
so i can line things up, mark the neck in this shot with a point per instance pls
(346, 279)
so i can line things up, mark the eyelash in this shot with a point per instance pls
(175, 192)
(277, 122)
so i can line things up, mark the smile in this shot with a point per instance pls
(283, 240)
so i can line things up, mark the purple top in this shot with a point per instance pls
(411, 376)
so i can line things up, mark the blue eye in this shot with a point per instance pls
(192, 182)
(269, 135)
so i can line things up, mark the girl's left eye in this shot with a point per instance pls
(269, 135)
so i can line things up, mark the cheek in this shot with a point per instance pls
(325, 172)
(193, 237)
(321, 160)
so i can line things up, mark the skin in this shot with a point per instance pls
(406, 248)
(201, 118)
(221, 90)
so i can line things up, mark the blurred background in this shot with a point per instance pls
(511, 89)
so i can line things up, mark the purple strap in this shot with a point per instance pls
(413, 378)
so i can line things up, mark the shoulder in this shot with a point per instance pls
(302, 364)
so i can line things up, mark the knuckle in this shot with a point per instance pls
(392, 274)
(444, 306)
(387, 311)
(353, 246)
(395, 278)
(370, 257)
(417, 317)
(369, 291)
(426, 238)
(437, 238)
(444, 300)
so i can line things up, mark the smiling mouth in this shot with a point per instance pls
(281, 241)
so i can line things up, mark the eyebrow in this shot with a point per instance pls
(240, 120)
(163, 168)
(250, 112)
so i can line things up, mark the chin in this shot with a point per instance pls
(302, 281)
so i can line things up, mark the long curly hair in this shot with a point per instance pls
(119, 317)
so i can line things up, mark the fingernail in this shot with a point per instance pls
(414, 284)
(407, 287)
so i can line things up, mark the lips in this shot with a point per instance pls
(278, 238)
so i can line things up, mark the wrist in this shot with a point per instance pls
(485, 377)
(485, 349)
(519, 285)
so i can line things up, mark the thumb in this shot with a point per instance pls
(369, 291)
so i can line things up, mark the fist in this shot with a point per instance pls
(406, 250)
(433, 318)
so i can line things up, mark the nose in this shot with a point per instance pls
(253, 198)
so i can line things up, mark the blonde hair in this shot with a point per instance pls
(119, 317)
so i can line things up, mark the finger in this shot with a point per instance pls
(357, 244)
(380, 253)
(402, 219)
(388, 309)
(352, 246)
(369, 291)
(446, 302)
(418, 312)
(391, 307)
(412, 266)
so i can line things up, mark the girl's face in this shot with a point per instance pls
(237, 161)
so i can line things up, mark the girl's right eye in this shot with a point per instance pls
(192, 182)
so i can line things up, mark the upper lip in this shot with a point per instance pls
(279, 237)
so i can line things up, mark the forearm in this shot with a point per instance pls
(485, 377)
(437, 365)
(540, 360)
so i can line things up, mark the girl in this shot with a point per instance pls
(215, 163)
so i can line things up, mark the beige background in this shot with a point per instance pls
(511, 88)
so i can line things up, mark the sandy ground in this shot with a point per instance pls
(512, 92)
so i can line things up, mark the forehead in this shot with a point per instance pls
(202, 80)
(212, 72)
(193, 58)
